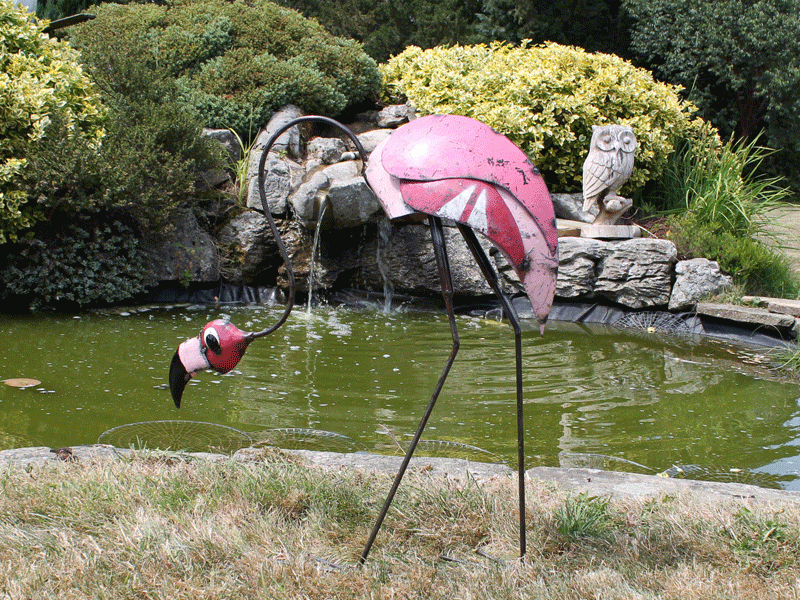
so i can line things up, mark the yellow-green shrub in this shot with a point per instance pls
(39, 77)
(546, 99)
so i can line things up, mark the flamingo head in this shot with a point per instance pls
(219, 346)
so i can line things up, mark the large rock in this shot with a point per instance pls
(281, 177)
(248, 248)
(406, 257)
(570, 207)
(290, 142)
(306, 199)
(755, 317)
(370, 139)
(395, 115)
(227, 139)
(325, 150)
(350, 201)
(187, 254)
(695, 280)
(635, 273)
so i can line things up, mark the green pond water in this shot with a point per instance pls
(595, 396)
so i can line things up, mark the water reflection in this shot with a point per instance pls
(590, 391)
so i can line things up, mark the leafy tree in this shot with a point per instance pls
(387, 28)
(739, 61)
(595, 25)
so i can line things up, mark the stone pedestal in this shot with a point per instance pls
(568, 228)
(611, 232)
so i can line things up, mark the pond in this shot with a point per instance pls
(595, 396)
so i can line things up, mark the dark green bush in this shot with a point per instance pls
(739, 61)
(387, 28)
(236, 62)
(146, 166)
(74, 261)
(103, 203)
(755, 267)
(58, 9)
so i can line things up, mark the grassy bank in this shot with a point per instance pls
(161, 526)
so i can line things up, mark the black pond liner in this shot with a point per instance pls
(599, 313)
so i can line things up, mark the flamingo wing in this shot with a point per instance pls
(461, 169)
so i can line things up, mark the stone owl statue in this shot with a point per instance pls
(607, 167)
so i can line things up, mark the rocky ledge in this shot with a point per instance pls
(593, 481)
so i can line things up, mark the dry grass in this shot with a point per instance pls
(166, 527)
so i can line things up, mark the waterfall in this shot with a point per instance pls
(323, 206)
(384, 233)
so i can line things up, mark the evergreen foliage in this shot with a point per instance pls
(387, 28)
(75, 260)
(594, 25)
(546, 99)
(58, 9)
(235, 63)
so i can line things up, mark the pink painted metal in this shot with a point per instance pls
(461, 169)
(192, 356)
(385, 186)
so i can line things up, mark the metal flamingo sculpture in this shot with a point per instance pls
(436, 167)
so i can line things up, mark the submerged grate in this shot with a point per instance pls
(654, 322)
(299, 438)
(723, 475)
(191, 436)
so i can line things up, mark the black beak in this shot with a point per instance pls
(178, 377)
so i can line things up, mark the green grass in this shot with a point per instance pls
(171, 527)
(718, 185)
(720, 209)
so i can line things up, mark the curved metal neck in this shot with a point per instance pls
(265, 208)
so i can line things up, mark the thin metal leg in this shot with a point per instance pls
(491, 278)
(440, 251)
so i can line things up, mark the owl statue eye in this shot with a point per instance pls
(627, 141)
(606, 142)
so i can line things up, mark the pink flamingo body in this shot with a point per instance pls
(436, 167)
